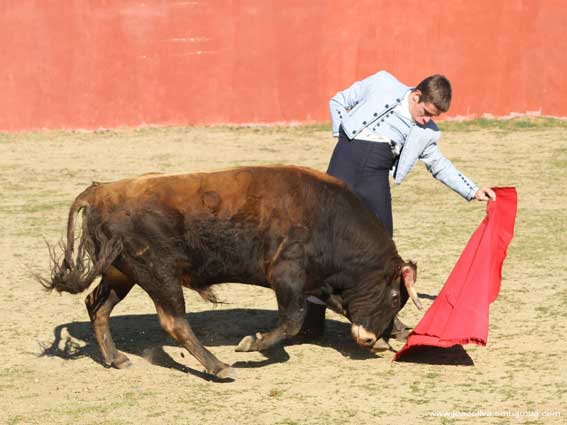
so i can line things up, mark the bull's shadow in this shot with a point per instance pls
(142, 335)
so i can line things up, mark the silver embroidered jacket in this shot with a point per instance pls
(369, 102)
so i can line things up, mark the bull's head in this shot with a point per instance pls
(370, 323)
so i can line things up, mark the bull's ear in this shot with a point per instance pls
(410, 267)
(392, 269)
(409, 276)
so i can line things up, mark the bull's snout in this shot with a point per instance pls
(362, 336)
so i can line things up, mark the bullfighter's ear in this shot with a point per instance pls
(409, 276)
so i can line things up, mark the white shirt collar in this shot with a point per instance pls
(403, 108)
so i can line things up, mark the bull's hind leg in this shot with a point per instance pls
(288, 280)
(113, 287)
(171, 311)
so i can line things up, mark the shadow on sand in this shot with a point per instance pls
(141, 335)
(453, 356)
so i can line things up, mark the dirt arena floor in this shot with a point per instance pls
(50, 367)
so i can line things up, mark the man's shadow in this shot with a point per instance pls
(142, 335)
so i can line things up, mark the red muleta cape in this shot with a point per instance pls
(459, 314)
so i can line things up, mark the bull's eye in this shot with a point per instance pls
(395, 298)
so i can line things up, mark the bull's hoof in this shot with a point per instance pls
(226, 373)
(121, 361)
(248, 343)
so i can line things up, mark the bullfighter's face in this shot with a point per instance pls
(421, 112)
(367, 329)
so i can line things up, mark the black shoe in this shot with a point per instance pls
(314, 323)
(400, 331)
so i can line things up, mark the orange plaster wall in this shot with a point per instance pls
(110, 63)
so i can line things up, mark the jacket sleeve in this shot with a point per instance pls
(444, 171)
(343, 102)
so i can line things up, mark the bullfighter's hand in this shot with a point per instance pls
(485, 194)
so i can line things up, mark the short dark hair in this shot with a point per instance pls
(436, 89)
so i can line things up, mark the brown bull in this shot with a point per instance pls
(295, 230)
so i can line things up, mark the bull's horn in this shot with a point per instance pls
(414, 297)
(408, 274)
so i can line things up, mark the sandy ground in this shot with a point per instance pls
(50, 370)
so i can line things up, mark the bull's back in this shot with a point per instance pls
(223, 225)
(225, 193)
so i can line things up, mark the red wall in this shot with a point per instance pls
(108, 63)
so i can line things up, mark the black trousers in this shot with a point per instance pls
(365, 167)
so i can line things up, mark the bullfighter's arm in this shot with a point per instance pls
(343, 102)
(444, 170)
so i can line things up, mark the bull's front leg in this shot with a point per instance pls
(287, 278)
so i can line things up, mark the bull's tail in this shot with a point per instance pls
(95, 252)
